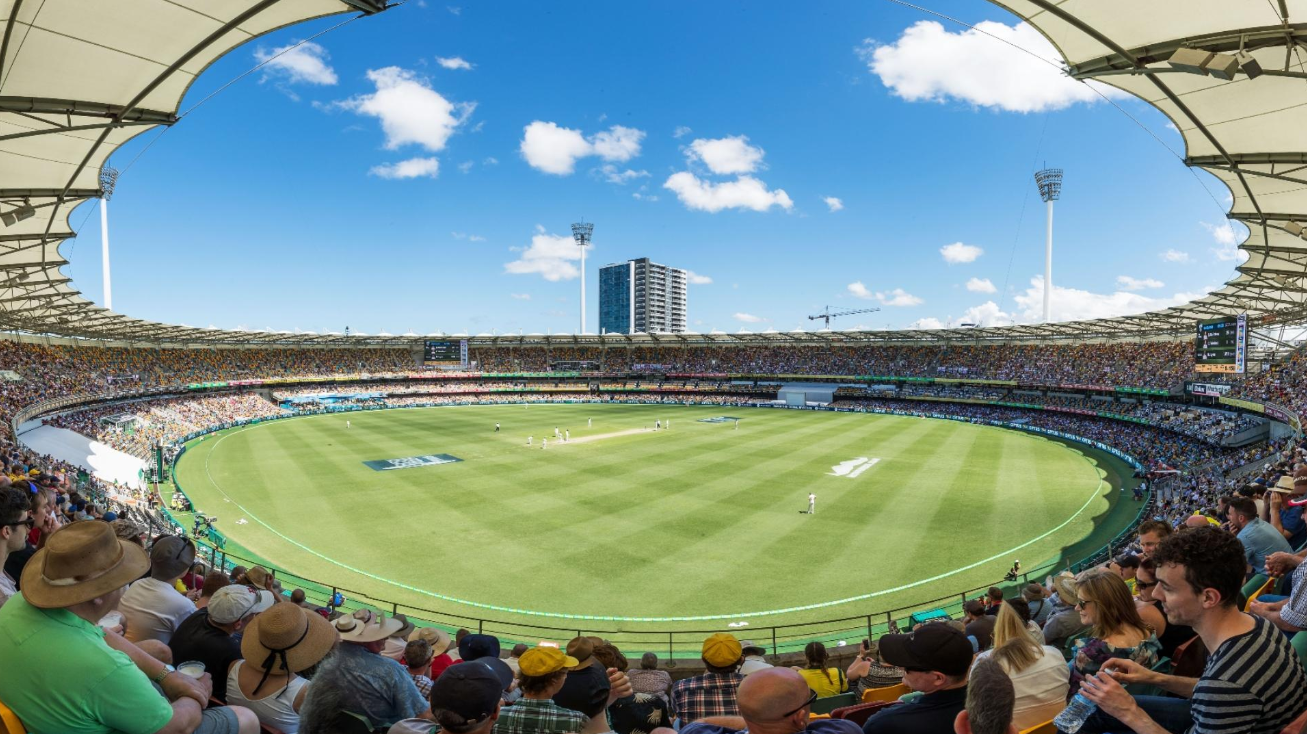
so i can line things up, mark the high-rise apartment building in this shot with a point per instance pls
(641, 296)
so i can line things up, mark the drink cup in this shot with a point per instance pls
(193, 668)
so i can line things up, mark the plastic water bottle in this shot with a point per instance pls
(1074, 715)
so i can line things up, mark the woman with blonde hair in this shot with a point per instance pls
(1116, 629)
(1039, 673)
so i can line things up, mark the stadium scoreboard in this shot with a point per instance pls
(1222, 345)
(445, 352)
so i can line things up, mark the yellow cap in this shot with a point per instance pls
(544, 660)
(721, 650)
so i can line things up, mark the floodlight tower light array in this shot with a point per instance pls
(1049, 182)
(581, 232)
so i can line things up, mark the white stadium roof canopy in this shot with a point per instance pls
(78, 78)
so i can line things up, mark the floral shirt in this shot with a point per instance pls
(1090, 653)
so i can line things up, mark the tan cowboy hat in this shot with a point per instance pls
(365, 625)
(1067, 589)
(80, 562)
(436, 637)
(287, 638)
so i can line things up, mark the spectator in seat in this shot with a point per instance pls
(1170, 636)
(238, 575)
(1064, 621)
(1125, 565)
(993, 600)
(153, 608)
(130, 531)
(513, 656)
(1289, 613)
(870, 671)
(544, 670)
(1038, 602)
(991, 702)
(440, 642)
(63, 673)
(398, 642)
(1253, 682)
(649, 679)
(754, 659)
(259, 578)
(713, 692)
(358, 680)
(1038, 672)
(1259, 538)
(775, 701)
(417, 658)
(15, 522)
(822, 678)
(1116, 630)
(280, 647)
(213, 581)
(1286, 518)
(935, 658)
(208, 634)
(466, 701)
(980, 625)
(1152, 532)
(631, 712)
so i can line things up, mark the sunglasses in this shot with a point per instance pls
(28, 522)
(186, 543)
(811, 698)
(1142, 585)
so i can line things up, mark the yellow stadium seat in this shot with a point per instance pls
(1265, 589)
(888, 693)
(9, 723)
(1044, 728)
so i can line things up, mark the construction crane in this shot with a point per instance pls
(827, 314)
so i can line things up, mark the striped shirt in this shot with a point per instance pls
(1252, 684)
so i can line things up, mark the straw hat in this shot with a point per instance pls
(80, 562)
(366, 626)
(436, 637)
(1067, 589)
(287, 638)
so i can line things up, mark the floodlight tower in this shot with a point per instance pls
(108, 179)
(1049, 181)
(581, 232)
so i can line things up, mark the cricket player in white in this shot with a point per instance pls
(347, 424)
(528, 440)
(544, 443)
(589, 422)
(567, 434)
(812, 504)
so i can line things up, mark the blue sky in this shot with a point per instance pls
(416, 171)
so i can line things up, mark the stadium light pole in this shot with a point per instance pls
(108, 179)
(581, 232)
(1049, 181)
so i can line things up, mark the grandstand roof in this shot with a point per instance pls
(79, 79)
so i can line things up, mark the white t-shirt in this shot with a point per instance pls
(7, 588)
(1040, 689)
(754, 663)
(153, 610)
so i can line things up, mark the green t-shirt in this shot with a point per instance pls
(59, 676)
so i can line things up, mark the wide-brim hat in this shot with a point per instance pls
(406, 629)
(287, 638)
(80, 562)
(581, 648)
(365, 625)
(1067, 589)
(436, 637)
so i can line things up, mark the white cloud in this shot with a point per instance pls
(696, 279)
(1068, 304)
(681, 131)
(745, 192)
(834, 203)
(466, 236)
(1227, 237)
(618, 143)
(898, 297)
(305, 63)
(521, 296)
(928, 63)
(641, 196)
(490, 161)
(553, 149)
(465, 166)
(454, 62)
(725, 156)
(748, 318)
(612, 174)
(550, 256)
(981, 285)
(476, 238)
(959, 253)
(1175, 256)
(454, 9)
(411, 168)
(930, 322)
(410, 111)
(1137, 284)
(858, 290)
(986, 314)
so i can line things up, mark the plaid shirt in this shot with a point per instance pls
(710, 694)
(532, 716)
(424, 685)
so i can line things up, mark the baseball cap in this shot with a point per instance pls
(584, 690)
(544, 660)
(233, 603)
(470, 689)
(747, 646)
(721, 650)
(933, 647)
(475, 647)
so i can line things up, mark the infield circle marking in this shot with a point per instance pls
(618, 618)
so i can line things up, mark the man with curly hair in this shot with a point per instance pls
(1253, 683)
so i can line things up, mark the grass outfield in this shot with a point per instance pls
(702, 521)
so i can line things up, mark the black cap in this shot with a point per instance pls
(475, 647)
(470, 689)
(935, 646)
(500, 669)
(584, 690)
